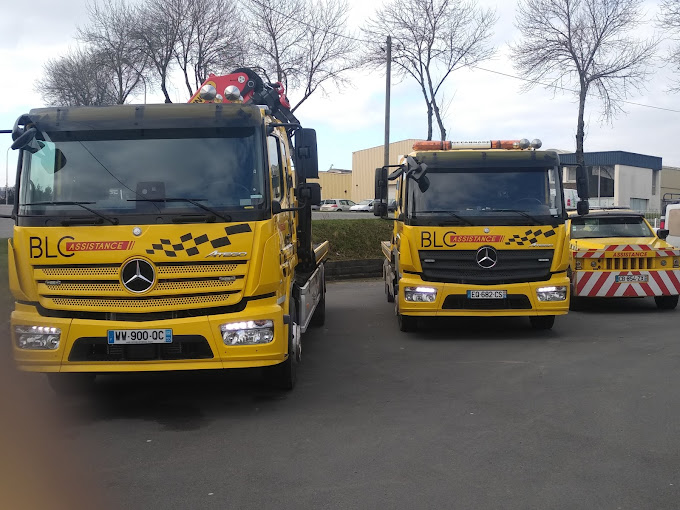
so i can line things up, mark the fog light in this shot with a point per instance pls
(593, 264)
(43, 338)
(551, 293)
(248, 332)
(579, 265)
(676, 262)
(420, 294)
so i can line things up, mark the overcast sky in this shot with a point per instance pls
(484, 105)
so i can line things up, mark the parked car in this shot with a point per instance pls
(364, 205)
(336, 204)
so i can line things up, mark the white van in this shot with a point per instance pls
(671, 222)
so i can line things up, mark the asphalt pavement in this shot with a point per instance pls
(467, 414)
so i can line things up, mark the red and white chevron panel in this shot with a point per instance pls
(603, 284)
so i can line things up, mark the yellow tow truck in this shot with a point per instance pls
(479, 230)
(615, 253)
(166, 237)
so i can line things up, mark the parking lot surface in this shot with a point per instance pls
(468, 414)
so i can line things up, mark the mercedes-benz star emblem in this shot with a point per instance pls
(138, 275)
(486, 257)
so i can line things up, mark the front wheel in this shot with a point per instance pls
(284, 375)
(319, 317)
(542, 322)
(666, 302)
(407, 323)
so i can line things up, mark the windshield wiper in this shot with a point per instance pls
(518, 211)
(193, 201)
(113, 221)
(194, 218)
(450, 214)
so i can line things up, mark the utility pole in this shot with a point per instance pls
(387, 100)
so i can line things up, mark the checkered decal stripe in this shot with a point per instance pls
(190, 244)
(529, 237)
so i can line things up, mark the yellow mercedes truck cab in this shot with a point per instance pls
(163, 237)
(479, 231)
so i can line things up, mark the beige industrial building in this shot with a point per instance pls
(670, 182)
(358, 184)
(634, 177)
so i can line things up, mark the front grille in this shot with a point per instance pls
(460, 266)
(629, 263)
(512, 302)
(179, 286)
(182, 347)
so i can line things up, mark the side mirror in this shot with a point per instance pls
(310, 193)
(423, 183)
(662, 233)
(25, 139)
(582, 183)
(306, 158)
(582, 207)
(380, 204)
(380, 209)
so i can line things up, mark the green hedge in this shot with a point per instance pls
(353, 239)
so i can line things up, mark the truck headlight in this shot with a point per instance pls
(579, 265)
(247, 332)
(43, 338)
(420, 294)
(551, 293)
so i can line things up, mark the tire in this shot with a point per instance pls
(542, 322)
(407, 323)
(284, 375)
(71, 384)
(576, 303)
(390, 297)
(666, 302)
(319, 317)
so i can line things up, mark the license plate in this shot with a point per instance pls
(139, 336)
(632, 278)
(487, 294)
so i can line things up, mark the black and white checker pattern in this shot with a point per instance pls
(190, 245)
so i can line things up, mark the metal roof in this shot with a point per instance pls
(614, 158)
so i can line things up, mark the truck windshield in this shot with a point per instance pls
(127, 173)
(614, 226)
(493, 196)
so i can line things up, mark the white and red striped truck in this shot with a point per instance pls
(615, 253)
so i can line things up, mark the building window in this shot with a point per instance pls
(601, 181)
(639, 204)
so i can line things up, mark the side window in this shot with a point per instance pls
(282, 168)
(273, 149)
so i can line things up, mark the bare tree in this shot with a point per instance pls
(77, 79)
(587, 42)
(275, 37)
(670, 21)
(431, 39)
(211, 39)
(109, 34)
(327, 51)
(157, 32)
